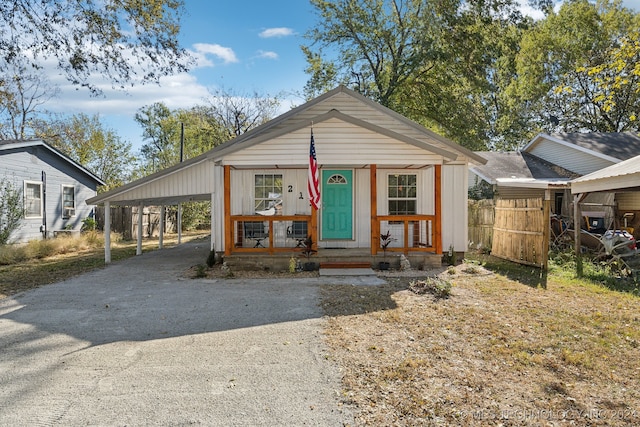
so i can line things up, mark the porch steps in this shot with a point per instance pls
(345, 264)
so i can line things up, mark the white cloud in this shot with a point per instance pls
(225, 53)
(276, 32)
(267, 54)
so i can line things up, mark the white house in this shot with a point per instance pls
(379, 172)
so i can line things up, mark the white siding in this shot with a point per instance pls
(454, 207)
(571, 159)
(196, 181)
(337, 143)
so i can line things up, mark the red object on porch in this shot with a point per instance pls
(313, 182)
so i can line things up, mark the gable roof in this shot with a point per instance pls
(302, 116)
(517, 165)
(20, 145)
(613, 146)
(312, 112)
(623, 175)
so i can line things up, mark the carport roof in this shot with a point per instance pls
(621, 176)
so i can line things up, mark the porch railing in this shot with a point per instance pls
(283, 233)
(270, 234)
(410, 233)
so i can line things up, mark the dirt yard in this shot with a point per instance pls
(495, 353)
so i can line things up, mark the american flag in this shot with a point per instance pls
(313, 182)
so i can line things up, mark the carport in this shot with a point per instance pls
(191, 180)
(622, 178)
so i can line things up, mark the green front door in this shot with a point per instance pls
(337, 204)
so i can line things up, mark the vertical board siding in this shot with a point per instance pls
(454, 207)
(518, 233)
(242, 198)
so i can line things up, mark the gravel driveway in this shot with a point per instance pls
(136, 344)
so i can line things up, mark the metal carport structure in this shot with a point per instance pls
(191, 180)
(621, 177)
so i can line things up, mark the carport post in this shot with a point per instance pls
(139, 247)
(161, 228)
(179, 223)
(107, 232)
(576, 234)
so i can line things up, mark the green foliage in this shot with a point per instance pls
(125, 42)
(571, 72)
(201, 271)
(442, 64)
(88, 224)
(481, 190)
(89, 142)
(11, 210)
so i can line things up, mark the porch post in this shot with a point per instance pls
(228, 226)
(107, 232)
(373, 196)
(161, 228)
(438, 206)
(139, 246)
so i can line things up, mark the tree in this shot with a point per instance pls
(444, 64)
(21, 94)
(224, 116)
(379, 45)
(571, 72)
(11, 210)
(87, 141)
(238, 113)
(124, 41)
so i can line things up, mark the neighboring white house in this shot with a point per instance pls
(54, 188)
(379, 172)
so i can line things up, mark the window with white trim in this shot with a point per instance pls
(267, 191)
(32, 199)
(402, 194)
(68, 201)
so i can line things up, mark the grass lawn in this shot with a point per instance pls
(508, 347)
(61, 258)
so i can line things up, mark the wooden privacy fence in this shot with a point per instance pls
(481, 220)
(124, 220)
(521, 231)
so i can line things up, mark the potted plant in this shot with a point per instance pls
(385, 241)
(308, 251)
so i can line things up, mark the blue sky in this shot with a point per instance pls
(241, 46)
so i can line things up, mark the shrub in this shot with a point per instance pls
(437, 287)
(11, 210)
(211, 259)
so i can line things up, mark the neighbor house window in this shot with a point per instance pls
(68, 201)
(32, 199)
(268, 191)
(402, 194)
